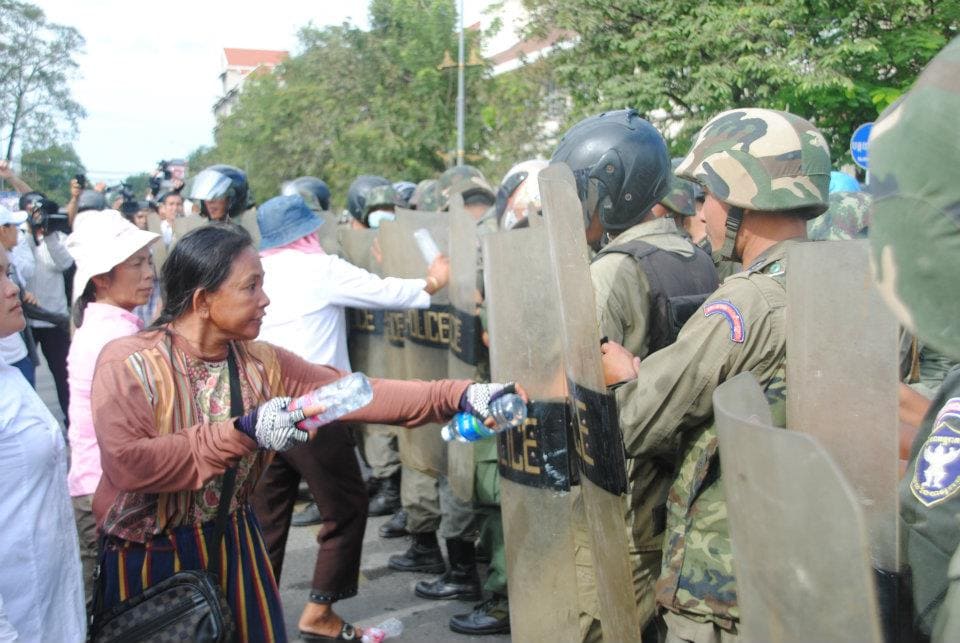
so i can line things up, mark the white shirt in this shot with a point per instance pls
(12, 349)
(46, 283)
(308, 294)
(41, 588)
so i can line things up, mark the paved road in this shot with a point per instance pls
(383, 592)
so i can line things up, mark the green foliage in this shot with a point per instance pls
(139, 184)
(837, 63)
(37, 59)
(352, 102)
(374, 102)
(50, 169)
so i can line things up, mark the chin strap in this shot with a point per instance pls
(728, 251)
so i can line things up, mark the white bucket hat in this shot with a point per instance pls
(100, 241)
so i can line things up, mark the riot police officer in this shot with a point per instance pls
(765, 174)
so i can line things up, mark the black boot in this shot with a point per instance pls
(460, 581)
(395, 527)
(387, 498)
(489, 617)
(423, 556)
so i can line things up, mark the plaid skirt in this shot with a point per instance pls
(127, 568)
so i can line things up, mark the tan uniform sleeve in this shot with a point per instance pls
(136, 458)
(623, 300)
(399, 403)
(675, 385)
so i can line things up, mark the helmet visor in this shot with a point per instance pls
(210, 184)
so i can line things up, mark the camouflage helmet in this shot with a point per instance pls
(425, 197)
(847, 218)
(379, 197)
(682, 197)
(915, 231)
(357, 195)
(468, 182)
(763, 160)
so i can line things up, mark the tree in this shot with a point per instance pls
(50, 169)
(374, 102)
(680, 62)
(37, 58)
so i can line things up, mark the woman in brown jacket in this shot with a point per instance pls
(161, 407)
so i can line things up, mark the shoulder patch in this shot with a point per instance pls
(936, 476)
(738, 329)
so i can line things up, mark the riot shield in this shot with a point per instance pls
(534, 461)
(599, 444)
(248, 221)
(389, 237)
(842, 375)
(365, 328)
(800, 549)
(466, 349)
(328, 234)
(426, 333)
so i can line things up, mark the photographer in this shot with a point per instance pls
(83, 198)
(50, 261)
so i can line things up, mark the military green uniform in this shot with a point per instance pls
(915, 249)
(623, 302)
(922, 368)
(667, 412)
(930, 504)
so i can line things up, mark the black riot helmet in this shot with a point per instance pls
(31, 201)
(357, 195)
(313, 190)
(222, 182)
(621, 164)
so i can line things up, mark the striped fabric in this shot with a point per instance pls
(127, 568)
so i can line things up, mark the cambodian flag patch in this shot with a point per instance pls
(936, 475)
(738, 330)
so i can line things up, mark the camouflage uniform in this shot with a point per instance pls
(623, 303)
(667, 412)
(847, 218)
(915, 251)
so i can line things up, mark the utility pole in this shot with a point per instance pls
(461, 100)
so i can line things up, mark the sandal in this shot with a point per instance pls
(347, 633)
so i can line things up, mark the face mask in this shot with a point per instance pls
(376, 218)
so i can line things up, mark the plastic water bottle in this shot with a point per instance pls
(389, 629)
(508, 411)
(343, 396)
(428, 247)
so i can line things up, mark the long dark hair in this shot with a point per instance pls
(89, 295)
(201, 259)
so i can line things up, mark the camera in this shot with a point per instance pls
(81, 180)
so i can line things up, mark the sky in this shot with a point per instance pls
(149, 74)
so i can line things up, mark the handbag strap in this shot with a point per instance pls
(230, 475)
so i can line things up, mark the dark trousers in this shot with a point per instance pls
(329, 465)
(55, 345)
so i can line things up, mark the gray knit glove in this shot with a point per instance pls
(273, 426)
(477, 398)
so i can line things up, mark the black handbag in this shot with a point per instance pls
(189, 605)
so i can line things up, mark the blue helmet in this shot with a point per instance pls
(843, 182)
